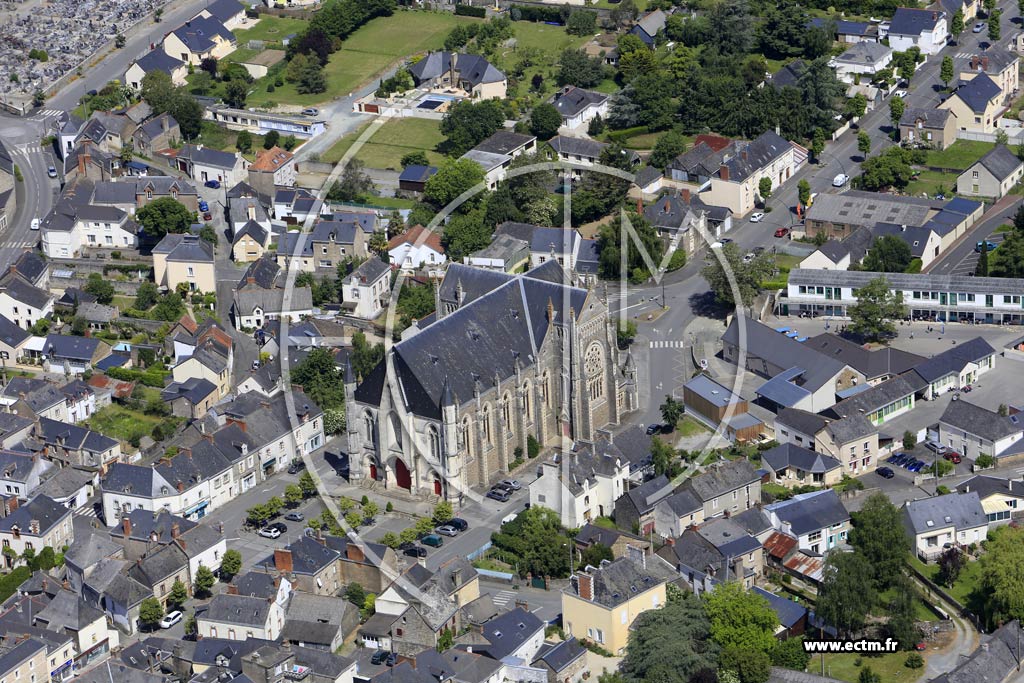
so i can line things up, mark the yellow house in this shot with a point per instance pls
(184, 258)
(251, 241)
(977, 105)
(1002, 66)
(209, 363)
(198, 39)
(736, 183)
(600, 604)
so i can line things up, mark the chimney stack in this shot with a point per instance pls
(175, 530)
(723, 172)
(354, 553)
(585, 586)
(686, 195)
(126, 525)
(283, 560)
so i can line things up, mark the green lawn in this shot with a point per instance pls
(967, 589)
(545, 37)
(931, 182)
(891, 667)
(219, 137)
(547, 42)
(690, 427)
(270, 29)
(118, 422)
(398, 137)
(960, 155)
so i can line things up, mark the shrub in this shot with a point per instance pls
(677, 261)
(984, 461)
(470, 11)
(389, 507)
(914, 661)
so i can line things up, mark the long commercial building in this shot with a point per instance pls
(928, 297)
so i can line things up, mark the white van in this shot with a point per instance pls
(35, 224)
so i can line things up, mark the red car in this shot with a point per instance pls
(782, 232)
(921, 647)
(207, 216)
(953, 457)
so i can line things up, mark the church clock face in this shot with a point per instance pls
(592, 362)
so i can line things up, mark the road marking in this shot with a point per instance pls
(668, 344)
(502, 598)
(85, 512)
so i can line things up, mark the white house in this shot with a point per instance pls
(578, 106)
(22, 303)
(973, 431)
(416, 248)
(582, 485)
(817, 520)
(240, 617)
(37, 524)
(154, 60)
(926, 29)
(203, 164)
(864, 59)
(939, 522)
(365, 290)
(231, 13)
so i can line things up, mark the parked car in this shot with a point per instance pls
(917, 466)
(51, 171)
(726, 240)
(207, 216)
(270, 532)
(170, 619)
(510, 483)
(840, 180)
(986, 245)
(214, 184)
(756, 217)
(936, 447)
(433, 540)
(952, 456)
(781, 232)
(295, 516)
(310, 111)
(447, 530)
(892, 458)
(415, 551)
(35, 224)
(296, 467)
(458, 523)
(203, 206)
(979, 27)
(378, 657)
(500, 495)
(886, 472)
(902, 94)
(280, 526)
(653, 429)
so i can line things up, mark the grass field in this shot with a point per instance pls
(967, 588)
(120, 423)
(891, 667)
(398, 137)
(960, 155)
(547, 42)
(270, 29)
(218, 137)
(931, 182)
(370, 50)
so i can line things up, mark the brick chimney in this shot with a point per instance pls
(126, 525)
(354, 553)
(181, 487)
(984, 63)
(723, 172)
(175, 530)
(686, 195)
(585, 586)
(283, 559)
(33, 526)
(232, 589)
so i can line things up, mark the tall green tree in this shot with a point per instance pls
(468, 123)
(320, 378)
(863, 144)
(956, 26)
(100, 288)
(538, 542)
(896, 108)
(995, 30)
(877, 308)
(230, 564)
(764, 188)
(982, 269)
(946, 73)
(902, 625)
(671, 411)
(664, 458)
(888, 254)
(164, 215)
(671, 644)
(1002, 573)
(204, 581)
(878, 535)
(545, 121)
(668, 147)
(576, 68)
(453, 177)
(804, 191)
(740, 618)
(150, 612)
(178, 595)
(847, 591)
(746, 276)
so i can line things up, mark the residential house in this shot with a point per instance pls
(954, 368)
(728, 487)
(877, 365)
(879, 404)
(472, 74)
(364, 291)
(31, 398)
(200, 38)
(495, 154)
(69, 486)
(583, 484)
(616, 540)
(21, 302)
(250, 242)
(1002, 66)
(713, 404)
(372, 565)
(184, 259)
(582, 151)
(461, 665)
(720, 549)
(925, 29)
(410, 616)
(974, 431)
(1001, 499)
(311, 566)
(676, 513)
(244, 207)
(273, 167)
(416, 248)
(737, 182)
(21, 656)
(12, 338)
(204, 164)
(932, 128)
(993, 175)
(39, 523)
(791, 465)
(684, 219)
(997, 659)
(231, 13)
(969, 8)
(212, 363)
(936, 523)
(259, 296)
(505, 254)
(142, 531)
(266, 663)
(71, 445)
(159, 569)
(72, 355)
(192, 398)
(564, 662)
(817, 520)
(513, 637)
(601, 603)
(578, 106)
(977, 105)
(648, 26)
(239, 617)
(21, 474)
(160, 132)
(635, 509)
(862, 60)
(318, 621)
(155, 61)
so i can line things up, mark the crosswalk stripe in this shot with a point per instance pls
(667, 344)
(502, 598)
(85, 512)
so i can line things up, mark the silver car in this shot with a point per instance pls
(447, 530)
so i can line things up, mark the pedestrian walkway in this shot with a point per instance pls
(668, 344)
(85, 511)
(502, 598)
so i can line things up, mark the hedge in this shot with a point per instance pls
(470, 11)
(9, 583)
(556, 15)
(153, 377)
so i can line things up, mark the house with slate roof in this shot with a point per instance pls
(998, 658)
(231, 13)
(192, 398)
(329, 244)
(953, 369)
(1002, 66)
(977, 105)
(153, 61)
(158, 133)
(729, 487)
(206, 357)
(469, 384)
(993, 175)
(677, 512)
(563, 661)
(1002, 499)
(791, 465)
(473, 74)
(259, 296)
(972, 431)
(185, 259)
(318, 621)
(817, 520)
(582, 484)
(37, 524)
(202, 164)
(792, 616)
(635, 509)
(648, 26)
(240, 617)
(933, 128)
(578, 106)
(878, 404)
(735, 184)
(160, 568)
(720, 549)
(926, 29)
(274, 167)
(582, 151)
(936, 523)
(615, 539)
(862, 59)
(309, 565)
(374, 566)
(22, 302)
(413, 613)
(200, 38)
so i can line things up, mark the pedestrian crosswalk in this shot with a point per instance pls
(502, 598)
(667, 344)
(45, 114)
(86, 511)
(963, 55)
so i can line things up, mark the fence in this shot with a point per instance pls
(479, 552)
(499, 576)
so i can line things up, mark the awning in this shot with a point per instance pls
(993, 505)
(270, 462)
(197, 507)
(35, 344)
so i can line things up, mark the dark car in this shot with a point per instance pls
(215, 184)
(391, 659)
(886, 472)
(379, 656)
(280, 526)
(504, 486)
(653, 429)
(296, 467)
(295, 516)
(91, 93)
(433, 540)
(203, 206)
(415, 551)
(458, 523)
(500, 495)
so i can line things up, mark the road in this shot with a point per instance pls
(962, 259)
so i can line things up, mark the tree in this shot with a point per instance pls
(818, 144)
(879, 536)
(576, 68)
(443, 512)
(417, 158)
(453, 177)
(664, 458)
(889, 254)
(164, 215)
(312, 80)
(747, 666)
(909, 440)
(946, 72)
(901, 626)
(625, 332)
(951, 563)
(364, 356)
(803, 189)
(867, 675)
(863, 144)
(741, 619)
(235, 93)
(1002, 573)
(371, 510)
(1003, 410)
(891, 168)
(671, 411)
(100, 288)
(204, 581)
(668, 147)
(856, 106)
(150, 612)
(545, 121)
(982, 269)
(671, 644)
(995, 31)
(230, 564)
(293, 495)
(781, 35)
(790, 654)
(896, 108)
(271, 139)
(146, 295)
(581, 23)
(610, 243)
(307, 484)
(747, 276)
(594, 553)
(468, 123)
(956, 27)
(847, 592)
(178, 595)
(320, 378)
(353, 185)
(537, 540)
(764, 188)
(446, 639)
(355, 594)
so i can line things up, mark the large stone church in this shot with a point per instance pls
(503, 358)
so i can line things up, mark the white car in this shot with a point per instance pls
(840, 180)
(749, 257)
(270, 532)
(902, 94)
(170, 619)
(756, 217)
(35, 224)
